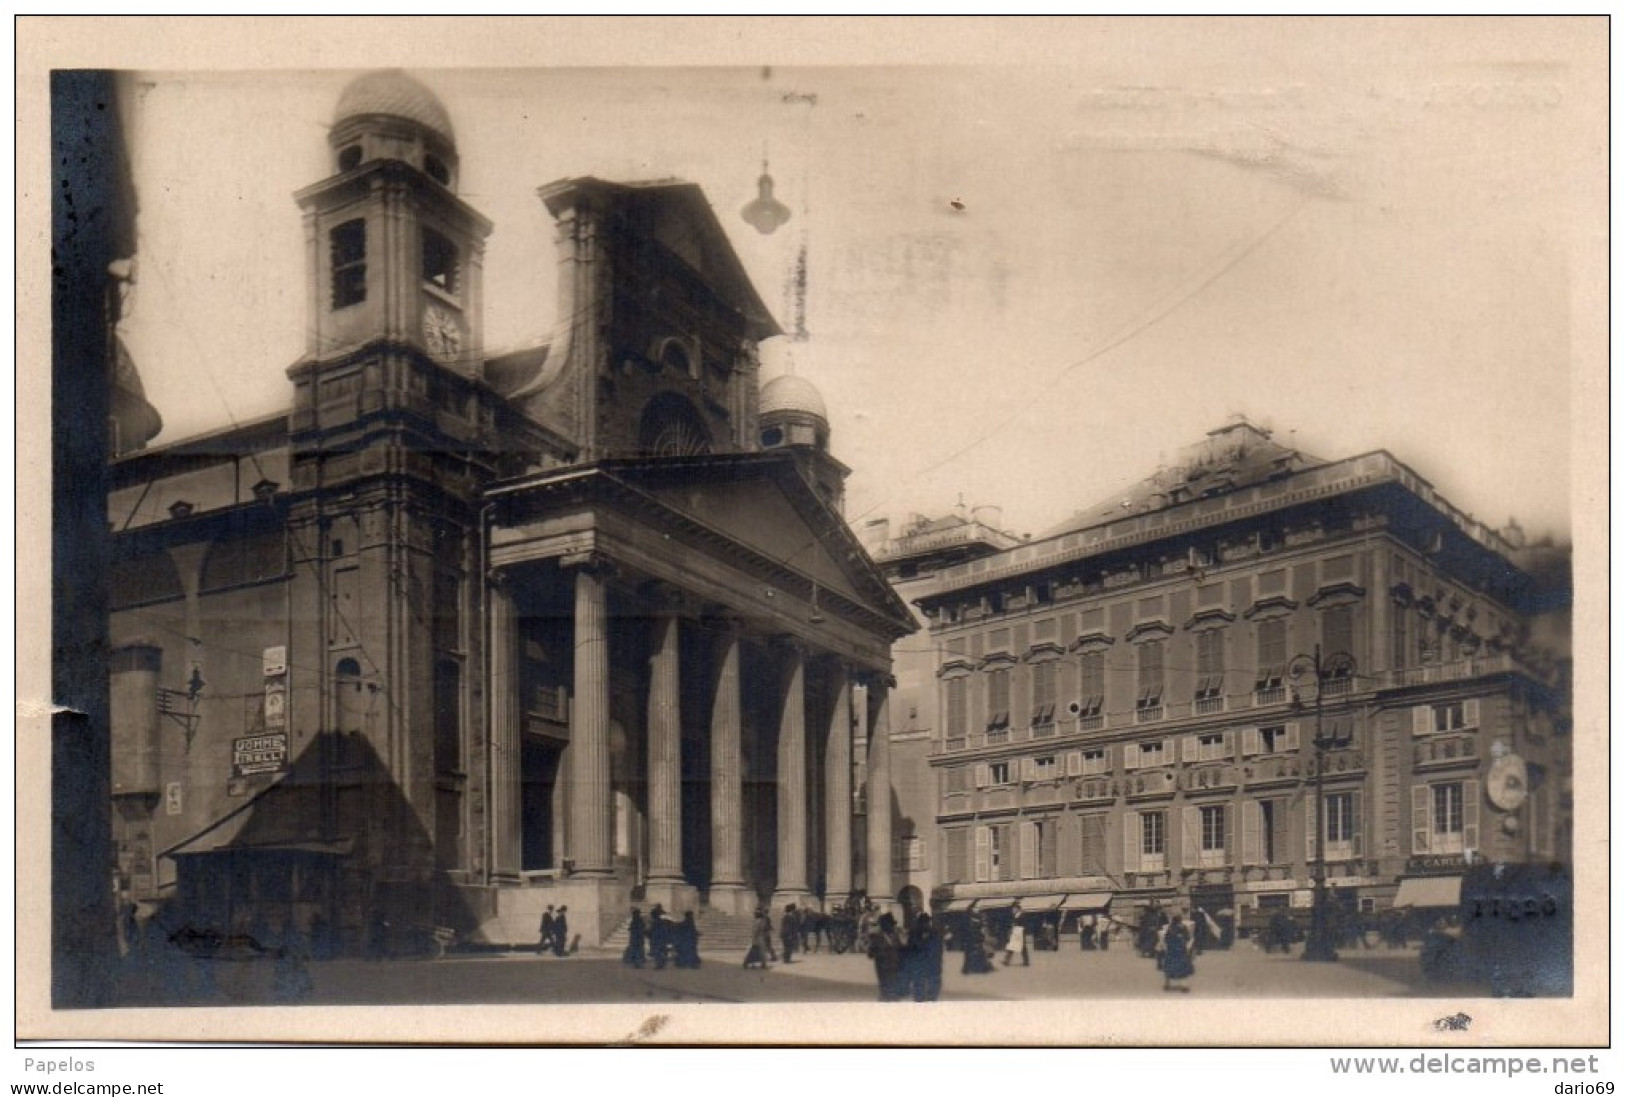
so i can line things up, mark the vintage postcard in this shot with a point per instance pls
(1030, 531)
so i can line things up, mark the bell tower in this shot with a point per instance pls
(393, 255)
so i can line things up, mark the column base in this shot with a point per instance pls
(597, 905)
(733, 899)
(677, 897)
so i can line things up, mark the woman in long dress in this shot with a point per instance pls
(1176, 956)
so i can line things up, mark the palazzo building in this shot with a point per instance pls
(1159, 698)
(462, 635)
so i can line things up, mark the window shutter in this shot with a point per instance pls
(1309, 830)
(1292, 737)
(1094, 845)
(1229, 749)
(1421, 821)
(1046, 849)
(1252, 825)
(1422, 720)
(1074, 764)
(1469, 815)
(1007, 852)
(1470, 712)
(1357, 807)
(1190, 832)
(984, 776)
(1029, 850)
(1187, 748)
(956, 851)
(1029, 770)
(1131, 841)
(1131, 756)
(984, 853)
(1249, 742)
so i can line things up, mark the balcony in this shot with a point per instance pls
(1206, 706)
(1499, 663)
(1269, 695)
(1442, 749)
(1147, 714)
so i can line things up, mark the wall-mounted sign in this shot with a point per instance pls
(259, 754)
(276, 660)
(276, 704)
(173, 803)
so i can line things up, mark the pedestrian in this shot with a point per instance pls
(885, 949)
(659, 936)
(790, 931)
(977, 961)
(761, 940)
(1086, 933)
(923, 962)
(1177, 965)
(633, 956)
(687, 934)
(545, 945)
(1017, 940)
(1104, 937)
(561, 931)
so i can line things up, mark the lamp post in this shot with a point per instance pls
(1325, 669)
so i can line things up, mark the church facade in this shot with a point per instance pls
(460, 636)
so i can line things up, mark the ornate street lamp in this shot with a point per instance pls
(1333, 673)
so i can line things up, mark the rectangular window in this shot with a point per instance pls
(1094, 845)
(1150, 754)
(1149, 703)
(956, 779)
(1094, 762)
(1402, 637)
(998, 640)
(1209, 666)
(998, 773)
(1453, 716)
(1342, 825)
(956, 855)
(1271, 656)
(1153, 841)
(439, 261)
(1447, 818)
(1270, 815)
(998, 699)
(1337, 630)
(1091, 683)
(910, 854)
(1044, 693)
(347, 246)
(1213, 836)
(1211, 748)
(955, 700)
(1045, 768)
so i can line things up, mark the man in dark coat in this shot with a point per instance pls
(886, 950)
(633, 956)
(923, 965)
(687, 943)
(790, 931)
(659, 936)
(546, 943)
(561, 932)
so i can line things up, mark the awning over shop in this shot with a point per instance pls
(1087, 901)
(1041, 904)
(959, 906)
(998, 903)
(1429, 891)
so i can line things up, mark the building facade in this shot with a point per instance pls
(911, 557)
(1158, 699)
(463, 635)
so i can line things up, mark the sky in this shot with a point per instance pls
(1029, 282)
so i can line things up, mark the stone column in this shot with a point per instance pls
(879, 861)
(590, 846)
(506, 843)
(728, 891)
(838, 793)
(792, 796)
(665, 807)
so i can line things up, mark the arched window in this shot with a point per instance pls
(671, 427)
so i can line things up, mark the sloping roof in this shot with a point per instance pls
(1232, 456)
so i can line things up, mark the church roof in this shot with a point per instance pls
(392, 92)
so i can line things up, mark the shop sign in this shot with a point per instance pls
(259, 754)
(276, 660)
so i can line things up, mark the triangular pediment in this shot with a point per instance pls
(762, 503)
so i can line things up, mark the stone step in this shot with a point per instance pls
(720, 934)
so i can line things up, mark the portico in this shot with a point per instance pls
(671, 682)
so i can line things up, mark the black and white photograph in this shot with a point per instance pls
(979, 532)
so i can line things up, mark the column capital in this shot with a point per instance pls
(667, 597)
(873, 679)
(591, 561)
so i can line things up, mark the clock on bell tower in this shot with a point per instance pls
(394, 256)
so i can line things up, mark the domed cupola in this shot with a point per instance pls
(388, 115)
(791, 413)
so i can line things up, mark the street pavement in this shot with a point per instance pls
(591, 977)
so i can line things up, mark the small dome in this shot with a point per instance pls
(791, 394)
(392, 92)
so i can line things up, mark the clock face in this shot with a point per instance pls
(442, 332)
